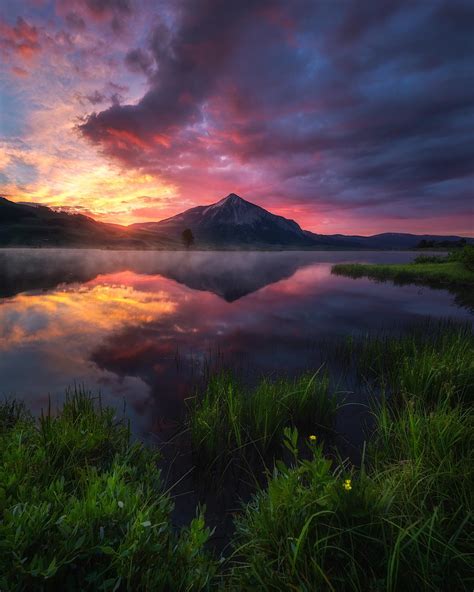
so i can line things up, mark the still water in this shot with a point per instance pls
(142, 327)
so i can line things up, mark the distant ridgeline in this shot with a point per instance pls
(442, 244)
(231, 223)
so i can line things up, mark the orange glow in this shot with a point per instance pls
(77, 314)
(83, 183)
(123, 138)
(162, 140)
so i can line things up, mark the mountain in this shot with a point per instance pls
(231, 223)
(235, 222)
(386, 240)
(35, 225)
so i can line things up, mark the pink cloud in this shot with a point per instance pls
(21, 40)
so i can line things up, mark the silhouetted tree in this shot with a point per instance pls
(187, 237)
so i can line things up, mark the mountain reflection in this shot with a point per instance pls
(230, 275)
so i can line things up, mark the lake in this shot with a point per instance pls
(143, 327)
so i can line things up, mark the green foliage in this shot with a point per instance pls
(313, 528)
(423, 456)
(464, 256)
(456, 269)
(229, 422)
(451, 273)
(403, 522)
(433, 363)
(429, 259)
(83, 509)
(12, 413)
(443, 244)
(467, 257)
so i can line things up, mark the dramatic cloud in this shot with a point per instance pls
(351, 116)
(20, 39)
(139, 61)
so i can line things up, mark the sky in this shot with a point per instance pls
(348, 116)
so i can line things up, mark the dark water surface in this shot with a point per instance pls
(142, 327)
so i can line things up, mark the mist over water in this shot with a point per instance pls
(143, 327)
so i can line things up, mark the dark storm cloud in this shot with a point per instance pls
(138, 60)
(348, 103)
(188, 65)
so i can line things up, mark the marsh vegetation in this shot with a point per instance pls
(453, 270)
(82, 507)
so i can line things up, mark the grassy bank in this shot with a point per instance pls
(456, 269)
(404, 522)
(401, 521)
(82, 508)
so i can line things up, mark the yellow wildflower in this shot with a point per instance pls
(347, 484)
(312, 438)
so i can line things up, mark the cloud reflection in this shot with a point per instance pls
(119, 325)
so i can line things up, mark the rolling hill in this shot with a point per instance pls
(39, 226)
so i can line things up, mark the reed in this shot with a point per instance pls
(229, 423)
(455, 270)
(403, 519)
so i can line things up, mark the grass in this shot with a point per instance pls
(405, 521)
(451, 273)
(81, 508)
(457, 269)
(229, 423)
(432, 361)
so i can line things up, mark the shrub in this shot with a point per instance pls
(467, 257)
(429, 259)
(83, 509)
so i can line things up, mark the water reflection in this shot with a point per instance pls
(229, 275)
(141, 326)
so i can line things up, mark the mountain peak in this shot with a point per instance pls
(232, 198)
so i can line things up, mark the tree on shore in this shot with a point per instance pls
(187, 237)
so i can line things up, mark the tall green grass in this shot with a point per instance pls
(452, 273)
(229, 422)
(406, 520)
(83, 509)
(454, 270)
(433, 361)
